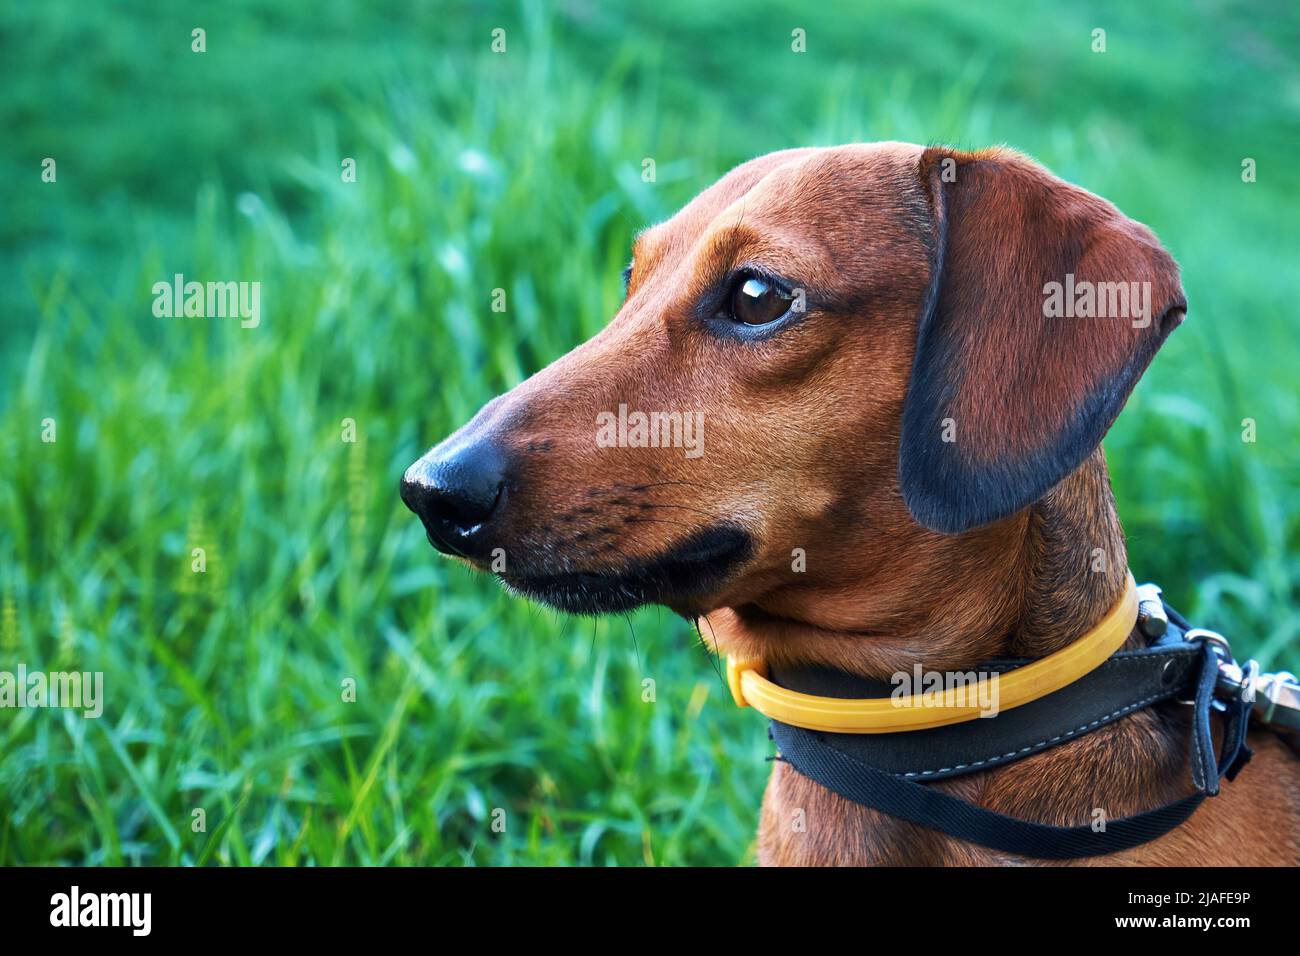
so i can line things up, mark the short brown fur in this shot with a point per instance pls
(803, 447)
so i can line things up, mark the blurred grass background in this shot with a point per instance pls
(521, 170)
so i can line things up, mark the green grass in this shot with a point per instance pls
(519, 171)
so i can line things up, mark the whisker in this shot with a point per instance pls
(635, 647)
(698, 511)
(714, 656)
(675, 481)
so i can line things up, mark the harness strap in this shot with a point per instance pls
(813, 757)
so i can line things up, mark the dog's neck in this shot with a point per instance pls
(1024, 587)
(1061, 566)
(1075, 561)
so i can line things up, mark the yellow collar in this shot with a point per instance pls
(883, 715)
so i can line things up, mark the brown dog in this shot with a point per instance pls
(852, 352)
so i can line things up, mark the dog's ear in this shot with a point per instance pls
(1045, 306)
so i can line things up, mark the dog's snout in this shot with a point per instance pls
(455, 493)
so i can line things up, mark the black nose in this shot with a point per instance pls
(456, 493)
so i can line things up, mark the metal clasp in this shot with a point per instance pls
(1275, 697)
(1277, 700)
(1152, 619)
(1220, 643)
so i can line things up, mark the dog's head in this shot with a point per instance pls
(827, 363)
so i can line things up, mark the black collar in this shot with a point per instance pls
(885, 771)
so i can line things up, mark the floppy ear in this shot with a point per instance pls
(1045, 306)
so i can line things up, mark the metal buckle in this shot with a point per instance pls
(1225, 681)
(1277, 700)
(1152, 619)
(1236, 681)
(1275, 697)
(1220, 643)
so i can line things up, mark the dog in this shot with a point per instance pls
(899, 462)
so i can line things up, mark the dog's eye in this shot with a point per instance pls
(758, 302)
